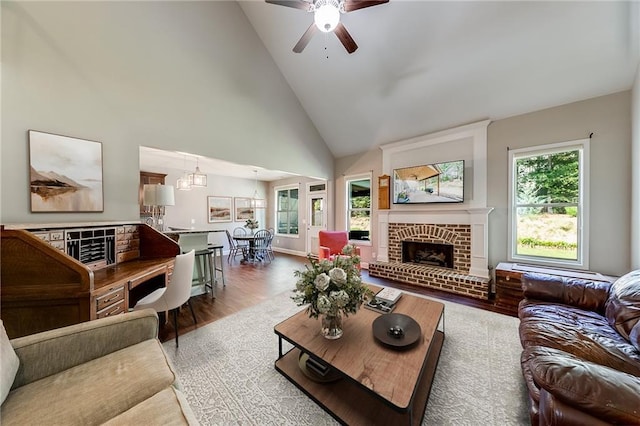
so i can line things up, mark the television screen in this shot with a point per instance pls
(429, 183)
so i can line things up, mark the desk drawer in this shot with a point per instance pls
(118, 308)
(147, 276)
(110, 298)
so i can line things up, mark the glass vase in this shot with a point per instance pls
(331, 326)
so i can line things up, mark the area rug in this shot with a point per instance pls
(228, 375)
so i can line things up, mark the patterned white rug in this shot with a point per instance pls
(227, 371)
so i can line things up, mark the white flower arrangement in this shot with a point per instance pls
(332, 287)
(251, 224)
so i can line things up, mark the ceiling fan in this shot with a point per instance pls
(326, 18)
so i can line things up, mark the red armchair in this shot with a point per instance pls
(331, 244)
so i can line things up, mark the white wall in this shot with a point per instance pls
(182, 76)
(609, 119)
(369, 162)
(635, 175)
(192, 205)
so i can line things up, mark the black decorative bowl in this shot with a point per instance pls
(396, 330)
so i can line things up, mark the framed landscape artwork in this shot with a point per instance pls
(244, 210)
(219, 209)
(65, 174)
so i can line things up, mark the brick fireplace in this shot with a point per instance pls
(456, 279)
(461, 227)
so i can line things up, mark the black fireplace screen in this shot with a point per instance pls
(431, 254)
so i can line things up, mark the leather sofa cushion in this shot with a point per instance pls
(600, 391)
(93, 392)
(634, 336)
(168, 407)
(623, 305)
(585, 334)
(581, 293)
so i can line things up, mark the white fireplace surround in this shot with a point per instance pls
(473, 211)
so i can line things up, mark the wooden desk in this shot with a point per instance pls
(44, 288)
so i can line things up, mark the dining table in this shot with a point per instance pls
(249, 255)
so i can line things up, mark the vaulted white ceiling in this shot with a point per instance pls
(424, 66)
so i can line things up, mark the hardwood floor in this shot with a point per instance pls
(248, 285)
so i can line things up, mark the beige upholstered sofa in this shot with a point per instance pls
(108, 371)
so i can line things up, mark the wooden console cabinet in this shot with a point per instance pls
(509, 282)
(47, 285)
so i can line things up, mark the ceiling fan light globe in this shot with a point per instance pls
(326, 17)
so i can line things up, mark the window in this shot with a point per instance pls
(287, 210)
(359, 208)
(548, 187)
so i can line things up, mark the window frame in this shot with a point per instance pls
(348, 180)
(276, 207)
(582, 145)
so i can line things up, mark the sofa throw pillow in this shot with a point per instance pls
(623, 304)
(9, 364)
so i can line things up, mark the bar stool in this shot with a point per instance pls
(203, 264)
(205, 268)
(217, 263)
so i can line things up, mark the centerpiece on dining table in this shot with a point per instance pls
(332, 288)
(252, 225)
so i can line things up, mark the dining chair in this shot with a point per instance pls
(235, 249)
(176, 293)
(239, 230)
(260, 245)
(269, 247)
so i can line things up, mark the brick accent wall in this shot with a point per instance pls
(456, 280)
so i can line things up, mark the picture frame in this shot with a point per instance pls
(65, 174)
(243, 209)
(218, 209)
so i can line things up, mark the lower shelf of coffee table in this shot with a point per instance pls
(351, 404)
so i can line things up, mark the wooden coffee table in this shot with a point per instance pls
(375, 384)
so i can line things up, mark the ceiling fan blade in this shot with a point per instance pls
(345, 38)
(306, 37)
(297, 4)
(351, 5)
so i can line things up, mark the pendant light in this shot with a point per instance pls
(197, 178)
(256, 201)
(182, 184)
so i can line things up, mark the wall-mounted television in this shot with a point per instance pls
(429, 183)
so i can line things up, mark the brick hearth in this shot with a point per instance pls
(456, 280)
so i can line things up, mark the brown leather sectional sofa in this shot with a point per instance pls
(581, 349)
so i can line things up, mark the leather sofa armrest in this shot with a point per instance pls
(49, 352)
(584, 294)
(586, 387)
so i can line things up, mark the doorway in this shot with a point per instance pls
(317, 210)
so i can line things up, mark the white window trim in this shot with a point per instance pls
(348, 179)
(275, 209)
(583, 220)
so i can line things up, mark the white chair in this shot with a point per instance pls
(176, 293)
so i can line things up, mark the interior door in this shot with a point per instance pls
(317, 209)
